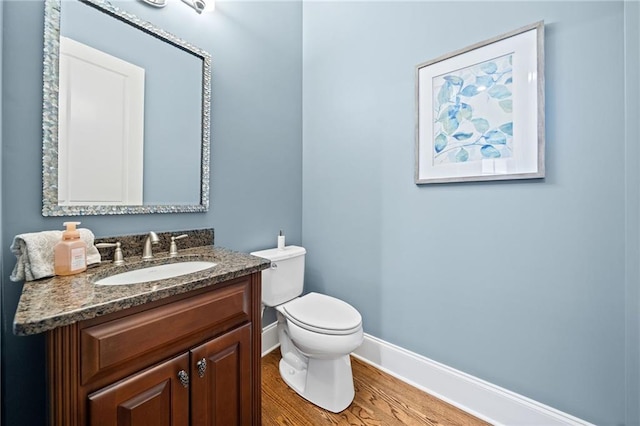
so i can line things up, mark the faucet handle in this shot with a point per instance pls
(173, 248)
(118, 259)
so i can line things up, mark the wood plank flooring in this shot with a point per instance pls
(381, 400)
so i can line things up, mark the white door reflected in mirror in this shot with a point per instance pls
(101, 128)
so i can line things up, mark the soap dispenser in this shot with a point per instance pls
(70, 254)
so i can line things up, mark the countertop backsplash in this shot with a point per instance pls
(132, 245)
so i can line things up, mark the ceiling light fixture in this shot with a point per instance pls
(156, 3)
(201, 5)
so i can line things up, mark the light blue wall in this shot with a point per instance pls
(256, 151)
(519, 283)
(632, 198)
(529, 285)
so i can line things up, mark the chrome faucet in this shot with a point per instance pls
(152, 238)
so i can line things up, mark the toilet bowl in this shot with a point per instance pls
(315, 358)
(316, 332)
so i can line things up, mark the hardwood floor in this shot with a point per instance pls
(380, 400)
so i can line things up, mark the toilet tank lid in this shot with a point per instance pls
(276, 254)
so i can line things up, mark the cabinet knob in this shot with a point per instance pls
(184, 378)
(202, 367)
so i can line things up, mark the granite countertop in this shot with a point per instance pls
(50, 303)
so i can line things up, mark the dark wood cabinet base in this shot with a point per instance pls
(192, 359)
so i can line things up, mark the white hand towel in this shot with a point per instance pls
(34, 252)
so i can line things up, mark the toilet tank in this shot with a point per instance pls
(284, 280)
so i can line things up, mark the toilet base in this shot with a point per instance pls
(327, 383)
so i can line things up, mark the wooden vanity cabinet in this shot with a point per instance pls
(192, 359)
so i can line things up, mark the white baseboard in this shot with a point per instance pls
(482, 399)
(487, 401)
(269, 338)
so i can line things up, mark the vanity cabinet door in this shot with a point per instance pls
(158, 396)
(221, 380)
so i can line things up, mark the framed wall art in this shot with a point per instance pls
(480, 111)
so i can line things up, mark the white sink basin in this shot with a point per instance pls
(157, 272)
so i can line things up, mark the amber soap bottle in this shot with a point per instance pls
(70, 254)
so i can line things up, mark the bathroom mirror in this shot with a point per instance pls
(151, 154)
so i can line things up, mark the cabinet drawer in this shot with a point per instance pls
(146, 334)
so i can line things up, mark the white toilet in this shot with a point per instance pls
(316, 332)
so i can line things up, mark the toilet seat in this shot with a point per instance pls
(322, 314)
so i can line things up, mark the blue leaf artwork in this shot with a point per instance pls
(473, 113)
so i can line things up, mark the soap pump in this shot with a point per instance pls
(70, 254)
